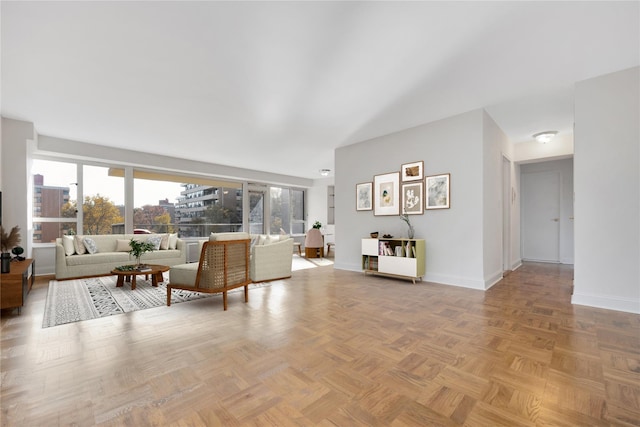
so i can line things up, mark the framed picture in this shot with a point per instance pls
(364, 196)
(412, 171)
(386, 194)
(412, 195)
(438, 192)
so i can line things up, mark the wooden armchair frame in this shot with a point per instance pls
(224, 265)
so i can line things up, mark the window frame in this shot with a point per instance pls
(129, 188)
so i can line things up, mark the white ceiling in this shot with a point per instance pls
(277, 86)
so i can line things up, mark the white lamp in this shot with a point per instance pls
(546, 136)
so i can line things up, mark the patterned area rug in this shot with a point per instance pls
(83, 299)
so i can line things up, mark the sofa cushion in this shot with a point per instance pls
(78, 245)
(90, 244)
(228, 236)
(184, 274)
(99, 258)
(67, 244)
(271, 239)
(267, 239)
(150, 256)
(123, 245)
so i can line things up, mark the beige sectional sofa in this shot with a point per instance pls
(111, 250)
(271, 257)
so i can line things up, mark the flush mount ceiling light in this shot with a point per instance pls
(546, 136)
(325, 172)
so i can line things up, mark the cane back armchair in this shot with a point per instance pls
(224, 265)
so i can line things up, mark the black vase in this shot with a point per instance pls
(6, 262)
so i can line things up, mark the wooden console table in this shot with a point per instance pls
(16, 284)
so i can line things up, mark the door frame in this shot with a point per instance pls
(507, 200)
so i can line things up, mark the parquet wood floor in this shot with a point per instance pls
(332, 348)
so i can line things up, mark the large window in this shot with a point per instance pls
(192, 207)
(162, 203)
(54, 200)
(103, 204)
(287, 210)
(154, 208)
(297, 212)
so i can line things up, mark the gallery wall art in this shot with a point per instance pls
(386, 194)
(438, 191)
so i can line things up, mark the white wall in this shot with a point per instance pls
(454, 237)
(607, 191)
(67, 148)
(561, 147)
(317, 201)
(516, 252)
(494, 143)
(564, 168)
(17, 140)
(317, 197)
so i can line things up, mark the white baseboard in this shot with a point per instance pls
(463, 282)
(495, 278)
(348, 267)
(610, 303)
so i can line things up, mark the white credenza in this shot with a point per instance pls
(403, 258)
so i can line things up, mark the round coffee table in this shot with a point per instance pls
(155, 270)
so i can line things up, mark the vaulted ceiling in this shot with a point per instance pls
(277, 86)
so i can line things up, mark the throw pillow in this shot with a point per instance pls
(90, 244)
(67, 244)
(271, 239)
(164, 243)
(173, 240)
(122, 245)
(262, 240)
(155, 241)
(78, 244)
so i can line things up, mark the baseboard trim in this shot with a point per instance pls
(495, 278)
(610, 303)
(462, 282)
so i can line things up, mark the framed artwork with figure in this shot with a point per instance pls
(364, 196)
(386, 194)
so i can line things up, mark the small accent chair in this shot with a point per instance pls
(224, 265)
(314, 244)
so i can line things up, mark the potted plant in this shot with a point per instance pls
(317, 225)
(138, 249)
(8, 242)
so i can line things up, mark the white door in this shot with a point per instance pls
(541, 216)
